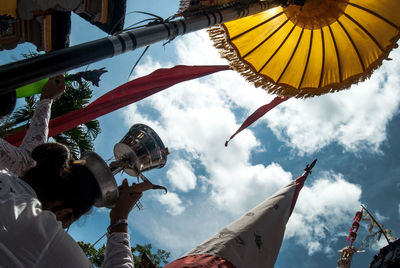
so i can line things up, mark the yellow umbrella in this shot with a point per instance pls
(322, 47)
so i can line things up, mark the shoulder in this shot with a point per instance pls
(15, 159)
(11, 186)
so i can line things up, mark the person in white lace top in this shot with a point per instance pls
(18, 159)
(43, 191)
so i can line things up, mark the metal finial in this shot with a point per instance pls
(309, 167)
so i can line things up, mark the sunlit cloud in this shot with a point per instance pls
(172, 202)
(181, 175)
(379, 217)
(323, 210)
(323, 214)
(356, 118)
(195, 118)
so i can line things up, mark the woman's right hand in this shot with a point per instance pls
(125, 203)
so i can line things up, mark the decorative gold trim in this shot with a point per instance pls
(218, 35)
(79, 162)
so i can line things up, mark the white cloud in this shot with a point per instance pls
(243, 186)
(102, 209)
(172, 202)
(196, 117)
(181, 175)
(355, 118)
(180, 233)
(377, 245)
(380, 218)
(149, 67)
(190, 50)
(323, 214)
(322, 211)
(204, 183)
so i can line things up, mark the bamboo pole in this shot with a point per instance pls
(377, 224)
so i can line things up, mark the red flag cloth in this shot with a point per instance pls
(299, 185)
(200, 261)
(257, 114)
(123, 95)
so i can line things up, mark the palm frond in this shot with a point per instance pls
(93, 129)
(71, 144)
(76, 96)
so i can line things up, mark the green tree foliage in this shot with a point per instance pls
(159, 257)
(96, 256)
(76, 96)
(80, 138)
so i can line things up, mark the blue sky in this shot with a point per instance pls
(354, 134)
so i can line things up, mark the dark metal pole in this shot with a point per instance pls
(24, 72)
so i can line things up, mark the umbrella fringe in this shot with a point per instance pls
(218, 35)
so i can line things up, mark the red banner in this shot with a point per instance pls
(257, 115)
(124, 95)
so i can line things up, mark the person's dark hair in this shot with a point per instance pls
(56, 178)
(7, 102)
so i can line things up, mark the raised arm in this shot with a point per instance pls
(18, 159)
(39, 127)
(118, 249)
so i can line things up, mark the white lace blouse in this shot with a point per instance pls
(30, 236)
(18, 159)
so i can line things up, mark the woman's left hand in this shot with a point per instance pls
(53, 88)
(126, 201)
